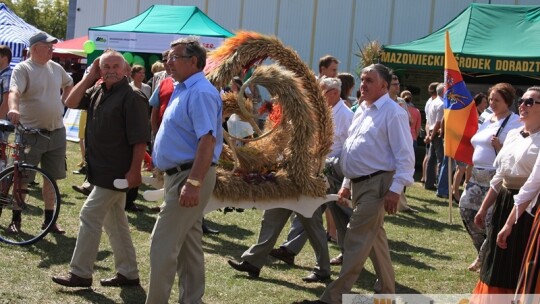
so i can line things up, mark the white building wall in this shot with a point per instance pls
(312, 27)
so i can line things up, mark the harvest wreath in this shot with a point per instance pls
(286, 158)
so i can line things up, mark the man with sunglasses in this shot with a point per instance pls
(36, 101)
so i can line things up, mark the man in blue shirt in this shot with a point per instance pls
(187, 147)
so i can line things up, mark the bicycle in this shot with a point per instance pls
(18, 193)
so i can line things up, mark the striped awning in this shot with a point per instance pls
(14, 32)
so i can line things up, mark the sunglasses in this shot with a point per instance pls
(528, 102)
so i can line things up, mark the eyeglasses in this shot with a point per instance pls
(528, 102)
(173, 58)
(395, 84)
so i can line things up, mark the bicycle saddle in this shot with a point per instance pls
(6, 126)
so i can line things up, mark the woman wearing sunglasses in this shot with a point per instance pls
(514, 162)
(526, 200)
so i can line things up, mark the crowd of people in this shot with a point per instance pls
(372, 161)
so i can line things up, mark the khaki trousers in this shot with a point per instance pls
(365, 237)
(176, 243)
(104, 208)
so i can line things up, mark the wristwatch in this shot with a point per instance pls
(193, 182)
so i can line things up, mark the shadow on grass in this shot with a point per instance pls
(399, 252)
(128, 294)
(367, 280)
(314, 288)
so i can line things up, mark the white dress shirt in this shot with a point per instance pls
(342, 121)
(379, 139)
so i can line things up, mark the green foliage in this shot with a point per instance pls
(47, 15)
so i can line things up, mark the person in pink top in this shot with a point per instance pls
(416, 118)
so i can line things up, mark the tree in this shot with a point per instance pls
(47, 15)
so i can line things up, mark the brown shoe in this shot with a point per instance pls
(72, 280)
(283, 255)
(14, 227)
(56, 229)
(337, 260)
(81, 190)
(119, 280)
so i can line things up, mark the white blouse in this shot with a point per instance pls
(517, 159)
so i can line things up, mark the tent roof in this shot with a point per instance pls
(14, 32)
(73, 46)
(486, 38)
(170, 19)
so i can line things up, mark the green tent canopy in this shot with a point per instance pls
(486, 38)
(153, 30)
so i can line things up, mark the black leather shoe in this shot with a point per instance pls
(119, 280)
(310, 302)
(283, 255)
(133, 208)
(207, 230)
(315, 278)
(82, 171)
(244, 266)
(72, 280)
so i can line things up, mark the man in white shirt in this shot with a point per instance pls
(378, 162)
(434, 115)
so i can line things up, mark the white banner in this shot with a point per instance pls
(143, 42)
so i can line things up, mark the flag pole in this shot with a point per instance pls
(450, 193)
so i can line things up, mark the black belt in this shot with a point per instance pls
(365, 177)
(45, 131)
(182, 167)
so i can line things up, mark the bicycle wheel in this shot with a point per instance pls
(32, 202)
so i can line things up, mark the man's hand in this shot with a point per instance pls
(133, 178)
(344, 196)
(189, 196)
(391, 200)
(14, 116)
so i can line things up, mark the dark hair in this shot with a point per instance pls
(6, 51)
(478, 98)
(326, 61)
(192, 47)
(382, 70)
(347, 83)
(506, 90)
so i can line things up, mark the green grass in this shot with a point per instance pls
(429, 255)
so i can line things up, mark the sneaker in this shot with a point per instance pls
(14, 227)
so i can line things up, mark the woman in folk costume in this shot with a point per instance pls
(527, 200)
(514, 163)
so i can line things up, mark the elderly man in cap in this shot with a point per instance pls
(35, 100)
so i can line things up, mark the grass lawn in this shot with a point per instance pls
(430, 255)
